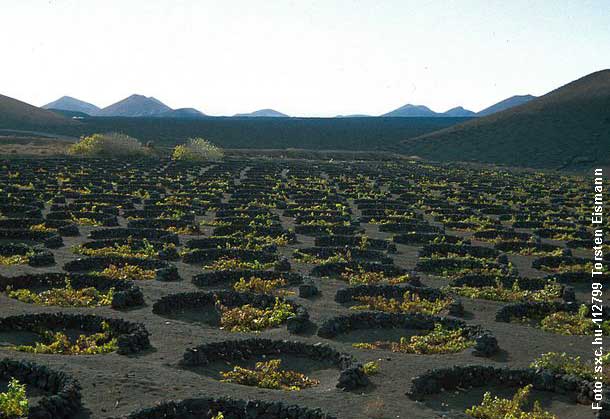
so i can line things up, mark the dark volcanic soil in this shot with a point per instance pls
(115, 385)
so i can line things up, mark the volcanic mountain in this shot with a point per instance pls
(67, 103)
(415, 111)
(568, 128)
(135, 106)
(459, 112)
(14, 113)
(266, 113)
(409, 110)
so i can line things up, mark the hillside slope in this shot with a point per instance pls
(17, 114)
(508, 103)
(566, 128)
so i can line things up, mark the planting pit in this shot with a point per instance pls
(528, 248)
(49, 239)
(230, 408)
(29, 329)
(355, 241)
(125, 268)
(416, 227)
(170, 225)
(560, 264)
(23, 254)
(417, 239)
(124, 293)
(135, 233)
(452, 267)
(319, 362)
(509, 288)
(85, 218)
(496, 235)
(385, 331)
(50, 393)
(61, 227)
(452, 390)
(390, 298)
(556, 317)
(208, 308)
(208, 256)
(442, 250)
(316, 254)
(228, 278)
(454, 404)
(335, 269)
(140, 248)
(229, 242)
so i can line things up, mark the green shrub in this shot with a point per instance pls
(562, 363)
(578, 323)
(269, 375)
(371, 368)
(227, 263)
(84, 221)
(261, 286)
(15, 259)
(499, 293)
(439, 341)
(197, 149)
(564, 268)
(59, 343)
(307, 258)
(146, 251)
(128, 272)
(42, 227)
(64, 297)
(493, 407)
(108, 145)
(248, 318)
(411, 303)
(361, 277)
(14, 403)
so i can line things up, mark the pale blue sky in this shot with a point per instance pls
(306, 58)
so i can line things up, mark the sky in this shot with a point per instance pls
(303, 58)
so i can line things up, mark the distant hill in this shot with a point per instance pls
(568, 128)
(135, 106)
(188, 113)
(459, 112)
(411, 111)
(506, 104)
(266, 113)
(17, 114)
(67, 103)
(356, 115)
